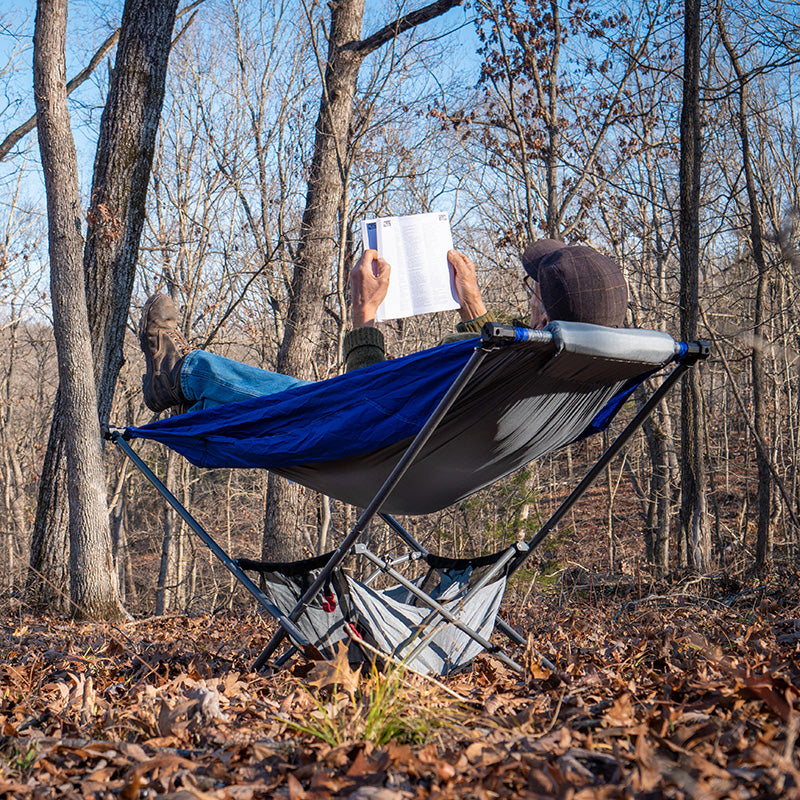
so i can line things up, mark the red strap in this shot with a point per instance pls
(329, 603)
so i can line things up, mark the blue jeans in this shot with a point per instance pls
(209, 380)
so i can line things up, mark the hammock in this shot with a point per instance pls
(412, 436)
(344, 436)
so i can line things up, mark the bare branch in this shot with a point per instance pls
(30, 124)
(402, 24)
(80, 78)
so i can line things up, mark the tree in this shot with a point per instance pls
(93, 588)
(551, 98)
(19, 132)
(90, 309)
(764, 538)
(322, 221)
(21, 408)
(693, 490)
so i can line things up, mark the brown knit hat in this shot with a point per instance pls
(577, 283)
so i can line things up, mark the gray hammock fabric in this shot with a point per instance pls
(323, 627)
(524, 402)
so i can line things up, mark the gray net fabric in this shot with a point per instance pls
(323, 626)
(391, 619)
(418, 637)
(388, 619)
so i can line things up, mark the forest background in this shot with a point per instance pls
(520, 120)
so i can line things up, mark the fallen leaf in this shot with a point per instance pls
(336, 673)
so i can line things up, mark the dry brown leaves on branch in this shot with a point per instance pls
(663, 698)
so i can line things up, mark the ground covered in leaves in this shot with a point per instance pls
(661, 696)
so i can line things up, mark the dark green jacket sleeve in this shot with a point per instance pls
(363, 347)
(475, 325)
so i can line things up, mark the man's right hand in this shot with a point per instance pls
(466, 282)
(369, 282)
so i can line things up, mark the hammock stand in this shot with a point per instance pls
(525, 392)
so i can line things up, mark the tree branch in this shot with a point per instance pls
(30, 124)
(402, 24)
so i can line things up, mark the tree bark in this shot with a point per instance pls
(123, 162)
(659, 496)
(553, 218)
(122, 168)
(318, 233)
(764, 537)
(168, 569)
(94, 590)
(692, 517)
(48, 573)
(316, 251)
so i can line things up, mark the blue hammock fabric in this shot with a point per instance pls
(328, 420)
(353, 413)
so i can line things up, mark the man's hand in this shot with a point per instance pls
(472, 305)
(369, 282)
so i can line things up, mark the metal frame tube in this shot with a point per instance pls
(403, 533)
(117, 438)
(287, 622)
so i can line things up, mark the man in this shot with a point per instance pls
(564, 282)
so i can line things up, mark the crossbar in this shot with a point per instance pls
(437, 608)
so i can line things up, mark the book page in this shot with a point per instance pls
(416, 248)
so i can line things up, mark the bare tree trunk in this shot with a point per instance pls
(116, 215)
(13, 482)
(122, 168)
(764, 537)
(553, 218)
(659, 496)
(693, 523)
(48, 575)
(166, 587)
(316, 251)
(93, 586)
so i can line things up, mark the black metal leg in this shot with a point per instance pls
(631, 428)
(117, 438)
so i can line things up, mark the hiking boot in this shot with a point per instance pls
(164, 348)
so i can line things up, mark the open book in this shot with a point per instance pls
(416, 248)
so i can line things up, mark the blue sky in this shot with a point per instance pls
(89, 23)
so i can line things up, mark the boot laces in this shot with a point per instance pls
(178, 339)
